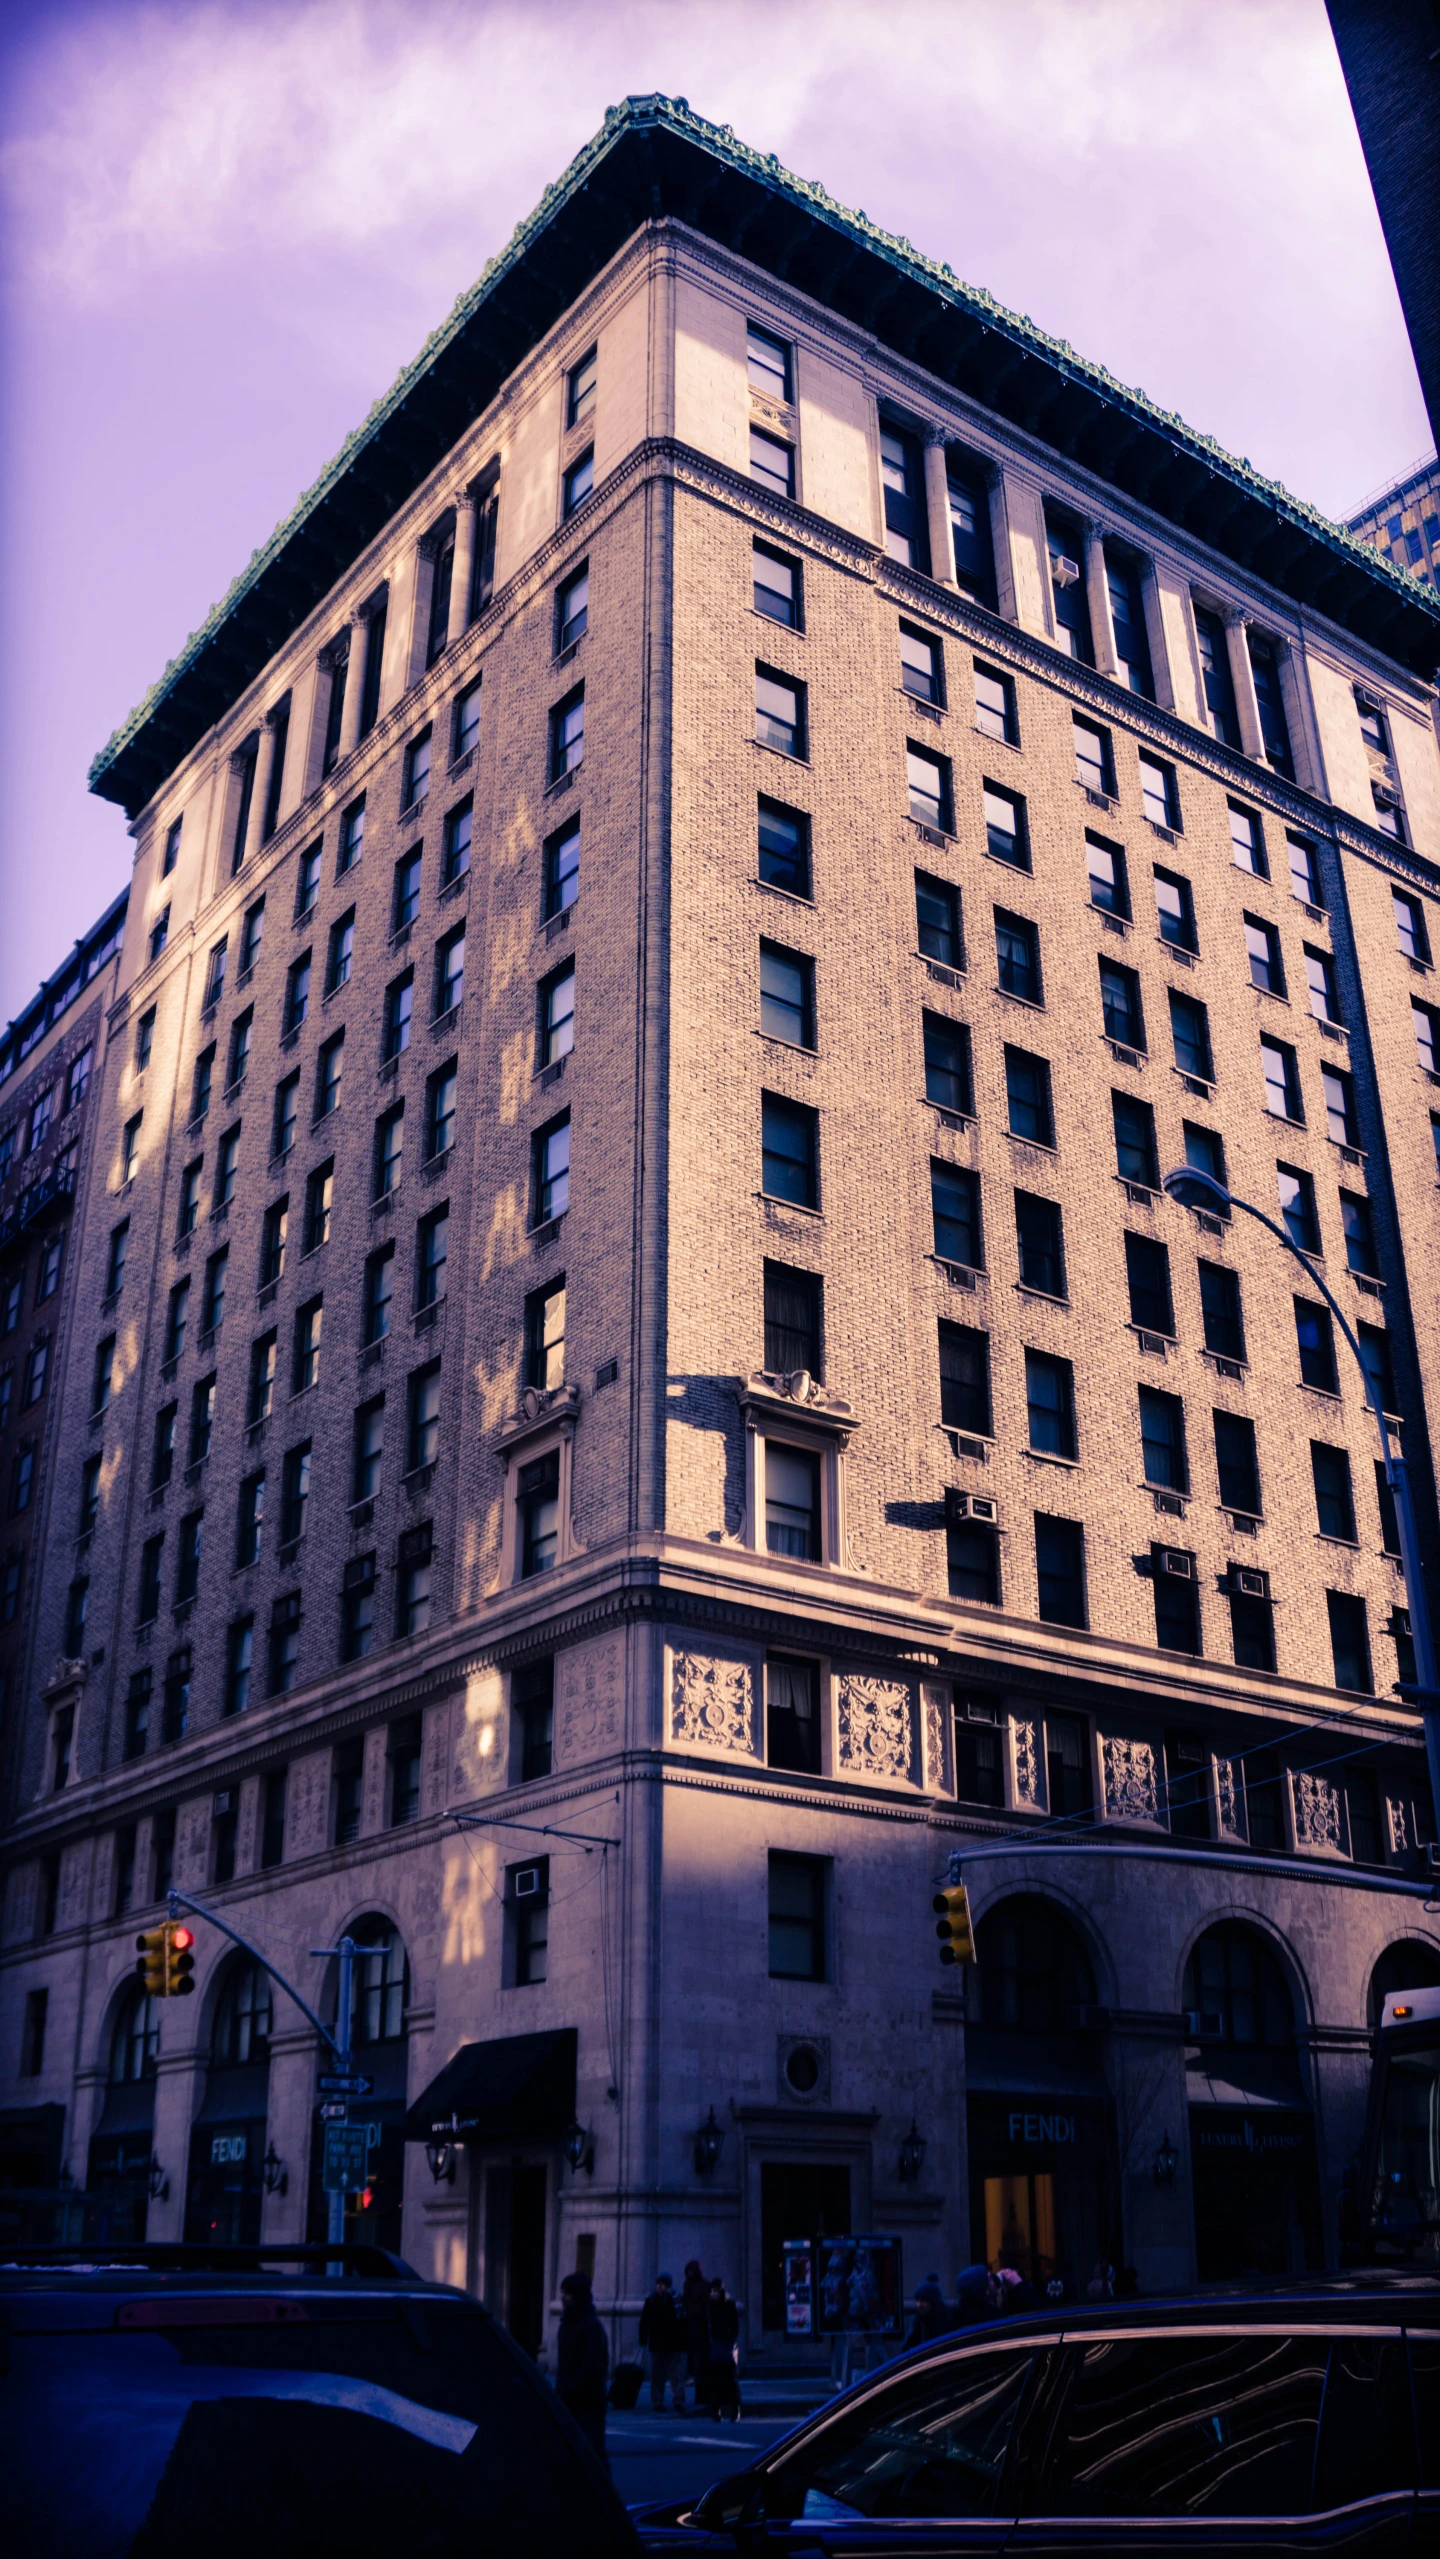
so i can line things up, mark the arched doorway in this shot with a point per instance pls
(1042, 2174)
(1252, 2138)
(118, 2176)
(227, 2140)
(380, 1996)
(1410, 1964)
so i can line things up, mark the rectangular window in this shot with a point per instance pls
(1136, 1157)
(947, 1063)
(1315, 1338)
(532, 1703)
(261, 1391)
(319, 1197)
(545, 1337)
(1389, 816)
(32, 2033)
(137, 1714)
(767, 363)
(1282, 1081)
(103, 1375)
(562, 870)
(1362, 1802)
(1247, 846)
(779, 713)
(449, 987)
(336, 663)
(297, 995)
(567, 734)
(1017, 955)
(465, 731)
(1205, 1149)
(1297, 1207)
(995, 705)
(144, 1050)
(1320, 979)
(1270, 703)
(188, 1204)
(1427, 1037)
(250, 1520)
(1006, 836)
(784, 848)
(1094, 757)
(1039, 1236)
(215, 976)
(955, 1214)
(787, 996)
(403, 1758)
(579, 482)
(580, 388)
(1060, 1578)
(792, 1501)
(422, 1433)
(1127, 619)
(441, 1090)
(351, 844)
(902, 487)
(115, 1258)
(374, 668)
(1027, 1097)
(237, 1062)
(796, 1904)
(1105, 868)
(147, 1607)
(1159, 794)
(1262, 942)
(572, 620)
(1334, 1499)
(202, 1421)
(1349, 1642)
(792, 1714)
(399, 1011)
(1217, 689)
(160, 933)
(307, 881)
(284, 1663)
(329, 1069)
(405, 900)
(527, 1894)
(1410, 929)
(965, 1379)
(305, 1364)
(432, 1246)
(47, 1277)
(550, 1170)
(1359, 1229)
(202, 1084)
(367, 1450)
(272, 1819)
(347, 1771)
(129, 1147)
(455, 844)
(1375, 1353)
(776, 586)
(1304, 870)
(379, 1288)
(1162, 1440)
(340, 953)
(1147, 1272)
(176, 1319)
(928, 782)
(1120, 1008)
(357, 1609)
(1050, 1404)
(287, 1103)
(1385, 1503)
(972, 1571)
(172, 848)
(789, 1151)
(1221, 1311)
(937, 921)
(1190, 1034)
(389, 1149)
(1236, 1464)
(772, 462)
(1175, 910)
(90, 1474)
(921, 665)
(1177, 1630)
(274, 1229)
(794, 1326)
(537, 1504)
(970, 535)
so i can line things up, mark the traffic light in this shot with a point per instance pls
(957, 1938)
(179, 1960)
(154, 1944)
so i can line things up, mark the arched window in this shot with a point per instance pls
(1031, 1968)
(242, 2021)
(1407, 1965)
(381, 1984)
(136, 2040)
(1238, 1990)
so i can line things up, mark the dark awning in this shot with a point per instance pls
(515, 2085)
(1237, 2076)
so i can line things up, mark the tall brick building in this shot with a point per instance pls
(706, 872)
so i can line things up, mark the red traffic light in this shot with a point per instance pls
(182, 1937)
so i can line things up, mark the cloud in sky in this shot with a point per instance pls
(230, 225)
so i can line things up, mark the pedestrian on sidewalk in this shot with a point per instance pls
(582, 2362)
(663, 2338)
(932, 2316)
(694, 2322)
(719, 2389)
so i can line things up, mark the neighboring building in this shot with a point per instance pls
(707, 871)
(1403, 521)
(1390, 56)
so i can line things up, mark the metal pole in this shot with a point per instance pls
(1424, 1691)
(345, 1951)
(174, 1902)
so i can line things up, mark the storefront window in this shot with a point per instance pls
(137, 2040)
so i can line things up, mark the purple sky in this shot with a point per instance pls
(228, 226)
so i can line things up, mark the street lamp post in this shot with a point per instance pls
(1424, 1690)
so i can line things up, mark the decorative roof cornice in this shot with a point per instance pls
(652, 159)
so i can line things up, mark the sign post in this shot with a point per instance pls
(346, 2146)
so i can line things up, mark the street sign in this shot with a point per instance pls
(345, 2148)
(344, 2083)
(334, 2111)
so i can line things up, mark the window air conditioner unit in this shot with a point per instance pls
(970, 1506)
(527, 1882)
(1064, 572)
(1177, 1562)
(983, 1506)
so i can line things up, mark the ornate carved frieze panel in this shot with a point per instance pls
(1130, 1779)
(875, 1728)
(939, 1734)
(1228, 1800)
(1397, 1822)
(590, 1699)
(712, 1703)
(1317, 1813)
(1029, 1772)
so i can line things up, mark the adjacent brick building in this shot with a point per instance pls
(1403, 521)
(706, 873)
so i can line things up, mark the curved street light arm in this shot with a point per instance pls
(175, 1897)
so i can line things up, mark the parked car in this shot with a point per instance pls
(236, 2404)
(1298, 2420)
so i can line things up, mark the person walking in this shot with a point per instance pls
(582, 2363)
(663, 2338)
(719, 2389)
(694, 2322)
(932, 2316)
(975, 2299)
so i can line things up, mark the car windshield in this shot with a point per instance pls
(280, 2423)
(1405, 2204)
(933, 2444)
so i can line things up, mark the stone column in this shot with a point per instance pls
(1097, 597)
(179, 2090)
(462, 572)
(264, 767)
(288, 2113)
(937, 505)
(1160, 675)
(1292, 697)
(1242, 677)
(354, 660)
